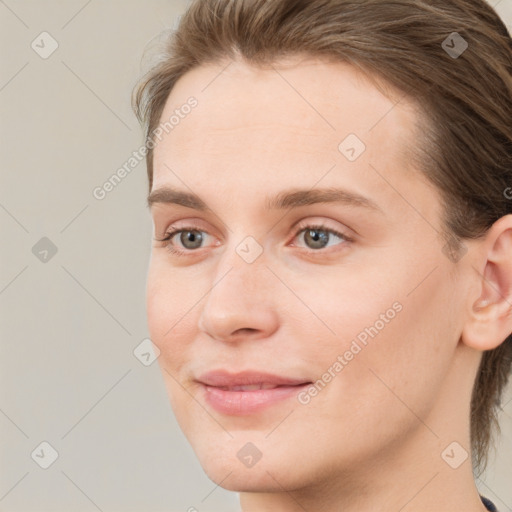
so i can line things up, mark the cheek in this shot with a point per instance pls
(342, 305)
(171, 318)
(407, 360)
(385, 326)
(172, 309)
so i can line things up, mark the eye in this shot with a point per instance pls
(185, 240)
(317, 237)
(189, 238)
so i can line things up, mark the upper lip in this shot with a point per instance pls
(224, 378)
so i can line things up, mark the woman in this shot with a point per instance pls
(330, 285)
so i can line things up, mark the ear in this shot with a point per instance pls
(490, 317)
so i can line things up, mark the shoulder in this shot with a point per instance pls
(489, 505)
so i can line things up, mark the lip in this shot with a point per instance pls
(222, 391)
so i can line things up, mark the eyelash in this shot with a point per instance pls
(308, 227)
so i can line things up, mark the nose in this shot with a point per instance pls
(241, 302)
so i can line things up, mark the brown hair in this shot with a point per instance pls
(465, 100)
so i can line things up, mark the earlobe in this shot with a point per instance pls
(490, 318)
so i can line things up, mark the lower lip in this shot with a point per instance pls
(240, 403)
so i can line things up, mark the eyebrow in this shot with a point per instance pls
(293, 198)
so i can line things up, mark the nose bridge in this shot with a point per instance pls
(241, 267)
(239, 297)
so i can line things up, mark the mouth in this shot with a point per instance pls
(253, 387)
(239, 394)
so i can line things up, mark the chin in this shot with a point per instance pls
(224, 468)
(245, 480)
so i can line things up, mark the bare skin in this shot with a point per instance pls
(377, 436)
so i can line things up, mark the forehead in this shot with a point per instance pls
(287, 121)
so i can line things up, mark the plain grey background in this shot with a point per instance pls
(73, 271)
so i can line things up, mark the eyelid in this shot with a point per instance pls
(172, 231)
(193, 224)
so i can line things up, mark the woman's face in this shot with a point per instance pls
(348, 302)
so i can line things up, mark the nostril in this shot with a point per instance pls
(245, 330)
